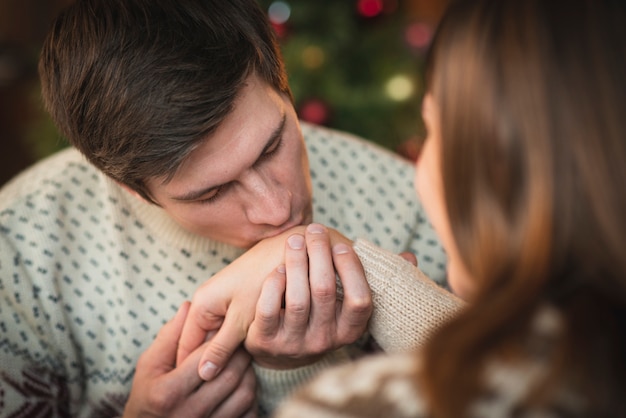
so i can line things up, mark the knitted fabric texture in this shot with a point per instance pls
(408, 306)
(89, 273)
(387, 386)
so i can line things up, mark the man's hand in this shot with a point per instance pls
(299, 315)
(161, 389)
(228, 303)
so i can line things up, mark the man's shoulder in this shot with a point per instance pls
(59, 172)
(360, 188)
(327, 143)
(340, 156)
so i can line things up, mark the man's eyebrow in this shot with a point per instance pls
(274, 136)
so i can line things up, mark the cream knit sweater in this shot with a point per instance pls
(89, 273)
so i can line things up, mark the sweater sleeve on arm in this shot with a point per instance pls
(32, 373)
(408, 305)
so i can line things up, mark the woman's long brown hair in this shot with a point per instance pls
(532, 96)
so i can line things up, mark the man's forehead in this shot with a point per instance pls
(259, 115)
(214, 165)
(226, 164)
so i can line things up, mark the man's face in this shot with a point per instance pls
(250, 180)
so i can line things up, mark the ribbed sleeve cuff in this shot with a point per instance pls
(274, 385)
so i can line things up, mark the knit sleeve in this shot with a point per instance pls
(408, 306)
(31, 370)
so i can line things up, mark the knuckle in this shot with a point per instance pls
(321, 344)
(297, 309)
(292, 350)
(259, 346)
(263, 318)
(264, 315)
(204, 316)
(162, 398)
(360, 306)
(324, 293)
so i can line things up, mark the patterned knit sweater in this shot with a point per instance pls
(386, 386)
(89, 273)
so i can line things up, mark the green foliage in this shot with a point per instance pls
(360, 55)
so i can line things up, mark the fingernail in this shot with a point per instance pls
(296, 241)
(315, 228)
(341, 248)
(208, 371)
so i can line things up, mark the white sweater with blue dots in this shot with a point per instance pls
(89, 273)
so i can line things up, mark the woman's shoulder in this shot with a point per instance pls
(374, 386)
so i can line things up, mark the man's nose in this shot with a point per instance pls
(269, 202)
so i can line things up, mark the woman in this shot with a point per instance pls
(523, 175)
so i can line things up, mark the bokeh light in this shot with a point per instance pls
(313, 57)
(315, 111)
(370, 8)
(279, 12)
(418, 35)
(400, 87)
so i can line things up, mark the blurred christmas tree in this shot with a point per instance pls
(355, 65)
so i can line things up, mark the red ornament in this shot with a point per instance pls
(281, 29)
(370, 8)
(418, 35)
(315, 111)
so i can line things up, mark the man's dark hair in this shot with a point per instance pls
(136, 85)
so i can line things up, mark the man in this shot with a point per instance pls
(186, 152)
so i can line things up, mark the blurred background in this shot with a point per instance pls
(354, 65)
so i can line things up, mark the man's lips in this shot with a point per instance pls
(284, 228)
(304, 219)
